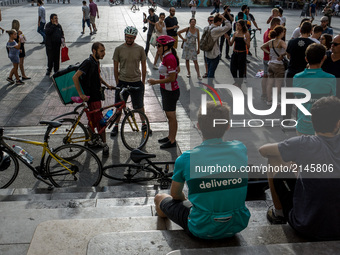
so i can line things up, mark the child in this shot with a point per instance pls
(20, 37)
(13, 49)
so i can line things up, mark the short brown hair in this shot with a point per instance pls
(326, 114)
(315, 52)
(206, 122)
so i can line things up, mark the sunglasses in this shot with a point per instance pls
(335, 44)
(211, 20)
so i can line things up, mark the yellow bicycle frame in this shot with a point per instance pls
(45, 147)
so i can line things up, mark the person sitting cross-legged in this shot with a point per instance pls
(215, 207)
(310, 202)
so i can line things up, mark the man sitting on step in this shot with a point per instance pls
(215, 207)
(309, 203)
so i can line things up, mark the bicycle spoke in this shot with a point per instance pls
(134, 134)
(9, 170)
(86, 167)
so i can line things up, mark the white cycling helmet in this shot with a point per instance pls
(130, 30)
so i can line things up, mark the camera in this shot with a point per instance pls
(144, 29)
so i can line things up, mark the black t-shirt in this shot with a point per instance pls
(223, 23)
(170, 22)
(153, 19)
(297, 48)
(316, 206)
(90, 79)
(333, 68)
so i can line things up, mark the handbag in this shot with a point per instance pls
(64, 54)
(153, 39)
(182, 45)
(284, 59)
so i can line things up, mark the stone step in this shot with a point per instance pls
(332, 247)
(165, 241)
(20, 219)
(122, 191)
(139, 235)
(18, 226)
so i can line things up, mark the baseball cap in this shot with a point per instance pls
(324, 18)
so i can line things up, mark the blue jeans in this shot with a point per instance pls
(216, 9)
(212, 65)
(41, 30)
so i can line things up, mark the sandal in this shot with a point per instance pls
(188, 76)
(19, 82)
(199, 78)
(10, 80)
(205, 75)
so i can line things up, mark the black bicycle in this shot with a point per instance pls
(253, 38)
(143, 170)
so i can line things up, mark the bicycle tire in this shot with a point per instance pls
(131, 132)
(8, 175)
(87, 165)
(60, 135)
(129, 173)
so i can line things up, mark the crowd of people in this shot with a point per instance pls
(309, 59)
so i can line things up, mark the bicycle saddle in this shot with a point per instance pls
(53, 124)
(138, 155)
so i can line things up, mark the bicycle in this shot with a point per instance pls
(69, 165)
(253, 38)
(139, 172)
(152, 4)
(73, 131)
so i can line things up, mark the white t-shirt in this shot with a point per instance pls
(296, 33)
(314, 39)
(283, 20)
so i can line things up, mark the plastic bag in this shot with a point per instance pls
(64, 54)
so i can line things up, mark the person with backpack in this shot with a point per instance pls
(88, 79)
(210, 43)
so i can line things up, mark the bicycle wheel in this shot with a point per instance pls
(67, 134)
(129, 173)
(133, 136)
(87, 167)
(9, 168)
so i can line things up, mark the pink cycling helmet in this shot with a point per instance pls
(166, 40)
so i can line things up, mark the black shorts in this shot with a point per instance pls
(177, 211)
(169, 99)
(284, 184)
(137, 96)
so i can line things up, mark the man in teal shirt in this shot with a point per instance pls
(217, 182)
(319, 83)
